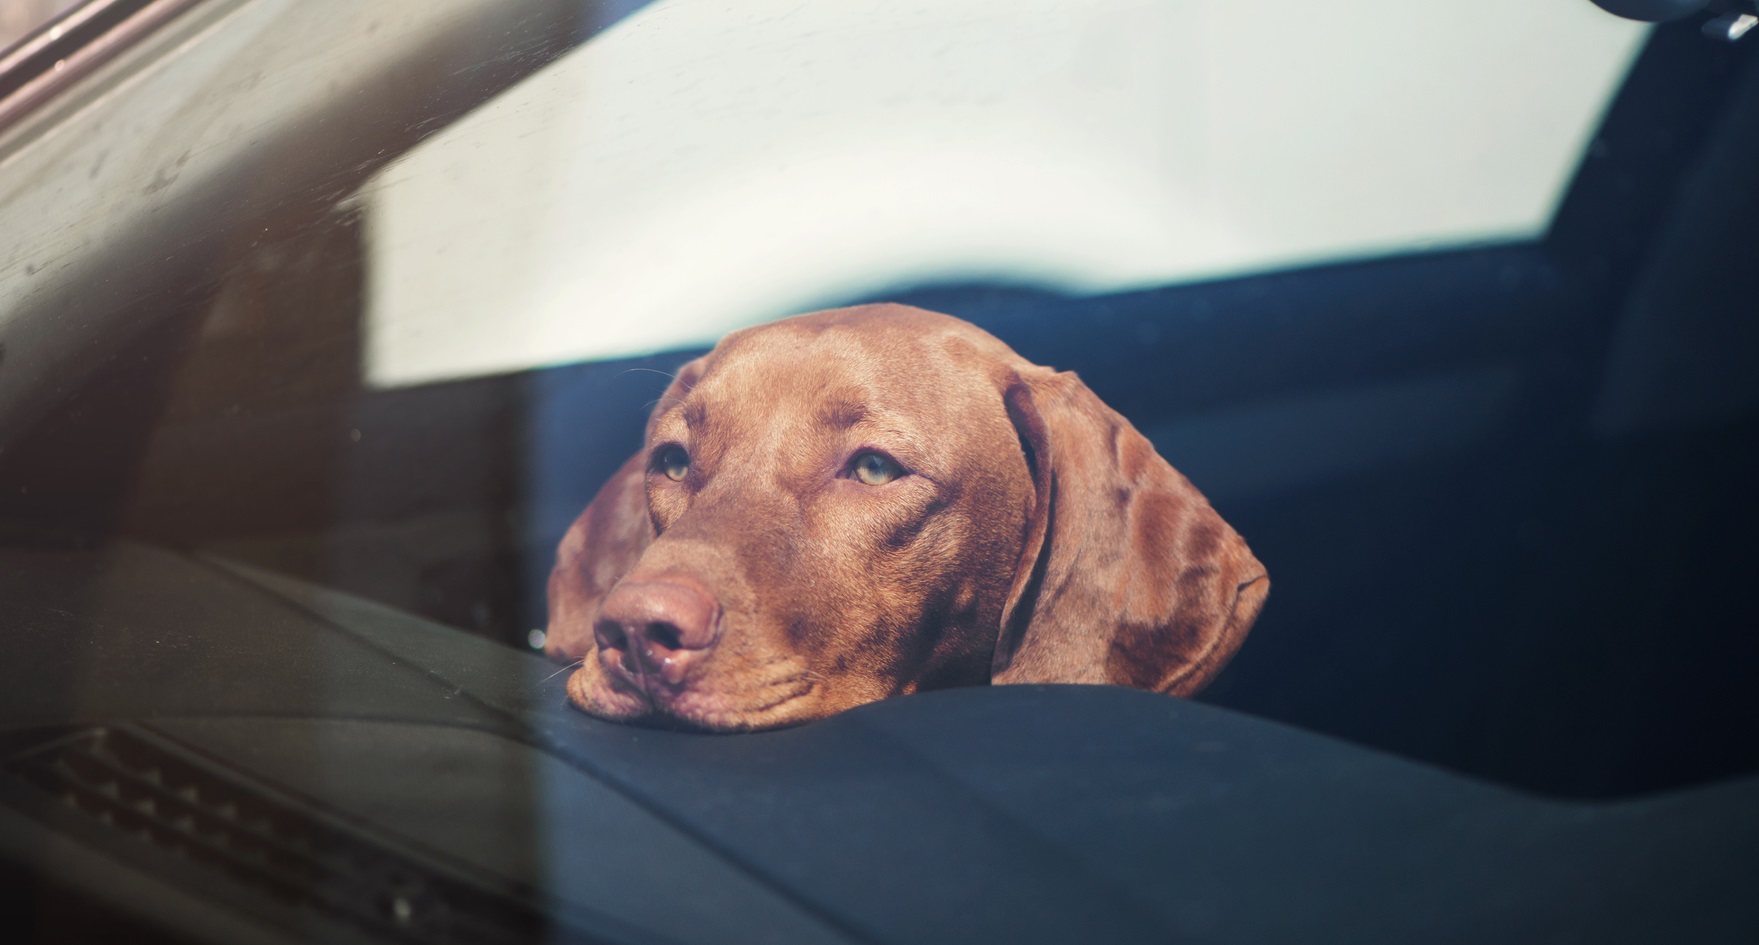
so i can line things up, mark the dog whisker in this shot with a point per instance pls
(665, 374)
(574, 665)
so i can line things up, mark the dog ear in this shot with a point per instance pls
(1127, 576)
(604, 543)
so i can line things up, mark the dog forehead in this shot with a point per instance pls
(805, 366)
(887, 369)
(884, 329)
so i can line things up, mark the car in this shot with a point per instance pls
(320, 322)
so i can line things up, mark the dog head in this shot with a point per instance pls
(861, 503)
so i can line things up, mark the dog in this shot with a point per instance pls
(866, 502)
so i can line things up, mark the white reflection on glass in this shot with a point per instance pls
(702, 166)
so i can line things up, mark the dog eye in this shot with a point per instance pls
(673, 461)
(875, 469)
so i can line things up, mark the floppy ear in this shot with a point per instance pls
(604, 543)
(1127, 576)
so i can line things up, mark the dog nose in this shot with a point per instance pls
(657, 629)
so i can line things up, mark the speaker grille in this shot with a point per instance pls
(145, 799)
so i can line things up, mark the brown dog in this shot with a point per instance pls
(866, 502)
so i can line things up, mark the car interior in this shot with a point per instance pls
(1503, 489)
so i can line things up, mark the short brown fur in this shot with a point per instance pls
(1038, 537)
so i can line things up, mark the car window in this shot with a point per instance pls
(378, 296)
